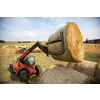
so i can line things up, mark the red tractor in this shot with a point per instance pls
(20, 51)
(25, 64)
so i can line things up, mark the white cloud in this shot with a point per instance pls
(29, 33)
(25, 35)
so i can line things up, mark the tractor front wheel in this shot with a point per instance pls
(11, 69)
(23, 76)
(38, 69)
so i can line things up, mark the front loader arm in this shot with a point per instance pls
(41, 46)
(38, 44)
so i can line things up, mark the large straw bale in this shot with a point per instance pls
(87, 67)
(97, 76)
(59, 74)
(73, 43)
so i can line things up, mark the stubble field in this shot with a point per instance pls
(7, 55)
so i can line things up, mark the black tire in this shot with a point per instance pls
(23, 76)
(11, 69)
(38, 69)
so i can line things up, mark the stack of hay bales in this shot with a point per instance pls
(73, 44)
(74, 52)
(59, 74)
(87, 67)
(76, 72)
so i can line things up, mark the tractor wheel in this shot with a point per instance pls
(11, 69)
(38, 69)
(23, 76)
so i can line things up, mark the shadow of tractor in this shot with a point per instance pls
(14, 77)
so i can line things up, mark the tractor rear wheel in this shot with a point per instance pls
(38, 69)
(23, 76)
(11, 69)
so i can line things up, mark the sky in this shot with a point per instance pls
(40, 28)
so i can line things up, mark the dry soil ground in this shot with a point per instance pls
(7, 55)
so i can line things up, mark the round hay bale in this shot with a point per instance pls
(88, 45)
(6, 45)
(16, 46)
(19, 46)
(3, 47)
(59, 74)
(27, 46)
(73, 43)
(95, 45)
(87, 67)
(98, 73)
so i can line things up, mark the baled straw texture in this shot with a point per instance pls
(87, 67)
(59, 74)
(73, 44)
(97, 73)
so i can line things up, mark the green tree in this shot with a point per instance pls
(2, 41)
(86, 40)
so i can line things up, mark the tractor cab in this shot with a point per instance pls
(30, 60)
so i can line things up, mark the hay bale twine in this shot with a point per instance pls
(87, 67)
(73, 43)
(59, 74)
